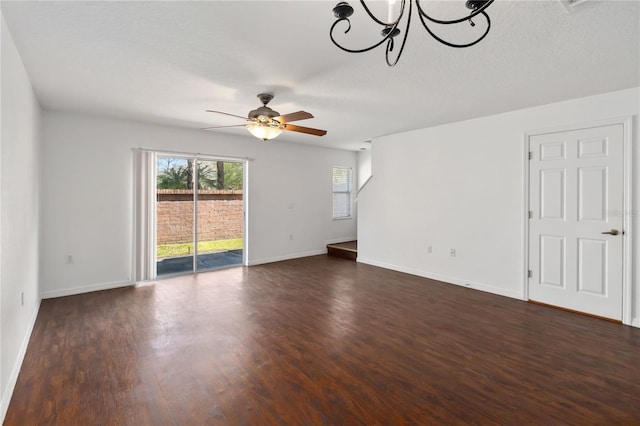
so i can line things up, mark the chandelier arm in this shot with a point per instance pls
(404, 41)
(366, 49)
(424, 24)
(385, 24)
(476, 12)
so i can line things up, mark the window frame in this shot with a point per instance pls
(348, 191)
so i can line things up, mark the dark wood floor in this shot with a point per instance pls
(321, 341)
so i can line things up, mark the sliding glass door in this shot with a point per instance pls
(199, 214)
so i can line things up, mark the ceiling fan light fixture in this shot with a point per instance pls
(264, 131)
(265, 123)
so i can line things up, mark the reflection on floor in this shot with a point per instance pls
(209, 261)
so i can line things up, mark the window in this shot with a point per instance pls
(341, 193)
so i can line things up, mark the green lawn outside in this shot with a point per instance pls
(176, 250)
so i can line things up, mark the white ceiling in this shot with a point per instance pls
(168, 61)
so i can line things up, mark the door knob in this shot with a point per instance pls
(612, 232)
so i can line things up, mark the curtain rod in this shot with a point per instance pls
(194, 154)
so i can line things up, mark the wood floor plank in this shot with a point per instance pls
(321, 341)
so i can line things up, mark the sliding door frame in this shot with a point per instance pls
(145, 262)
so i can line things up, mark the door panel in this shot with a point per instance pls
(592, 257)
(552, 260)
(220, 219)
(592, 194)
(174, 215)
(576, 188)
(552, 196)
(552, 150)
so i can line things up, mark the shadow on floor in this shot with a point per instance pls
(208, 261)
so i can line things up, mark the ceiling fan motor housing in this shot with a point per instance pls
(264, 110)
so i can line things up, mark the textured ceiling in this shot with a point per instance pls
(167, 62)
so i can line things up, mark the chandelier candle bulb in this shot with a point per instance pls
(390, 10)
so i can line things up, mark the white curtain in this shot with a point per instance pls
(144, 267)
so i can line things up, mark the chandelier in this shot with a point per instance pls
(390, 31)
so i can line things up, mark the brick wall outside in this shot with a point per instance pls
(220, 214)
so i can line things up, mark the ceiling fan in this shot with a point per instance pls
(265, 123)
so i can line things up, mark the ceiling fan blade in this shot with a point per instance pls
(308, 130)
(294, 116)
(222, 127)
(230, 115)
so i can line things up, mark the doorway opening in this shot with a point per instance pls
(199, 214)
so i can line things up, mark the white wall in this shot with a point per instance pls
(19, 195)
(364, 167)
(461, 186)
(87, 196)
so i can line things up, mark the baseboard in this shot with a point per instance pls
(446, 279)
(15, 371)
(85, 289)
(286, 257)
(635, 322)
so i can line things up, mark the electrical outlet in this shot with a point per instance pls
(290, 237)
(429, 249)
(453, 252)
(22, 298)
(69, 259)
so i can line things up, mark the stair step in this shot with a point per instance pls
(348, 250)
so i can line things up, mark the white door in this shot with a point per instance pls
(576, 200)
